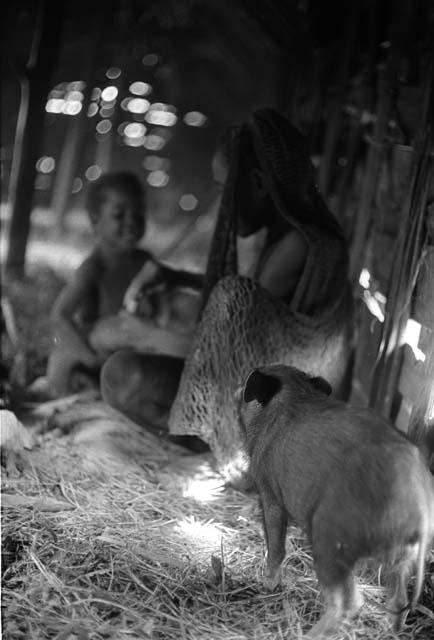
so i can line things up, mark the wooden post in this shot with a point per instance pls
(335, 118)
(34, 79)
(387, 89)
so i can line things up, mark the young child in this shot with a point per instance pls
(116, 206)
(120, 296)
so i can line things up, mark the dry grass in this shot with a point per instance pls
(160, 551)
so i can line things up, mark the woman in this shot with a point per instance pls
(296, 306)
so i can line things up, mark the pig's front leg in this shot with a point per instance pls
(275, 522)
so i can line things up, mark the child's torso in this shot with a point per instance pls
(111, 280)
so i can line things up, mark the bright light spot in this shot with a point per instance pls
(77, 85)
(77, 185)
(154, 142)
(380, 298)
(104, 126)
(158, 178)
(150, 59)
(162, 118)
(152, 163)
(135, 130)
(195, 119)
(431, 410)
(93, 172)
(365, 278)
(236, 465)
(161, 106)
(96, 93)
(140, 88)
(204, 490)
(137, 105)
(188, 202)
(106, 112)
(372, 302)
(92, 110)
(46, 164)
(200, 532)
(134, 142)
(109, 93)
(54, 105)
(411, 337)
(72, 107)
(121, 127)
(113, 73)
(74, 95)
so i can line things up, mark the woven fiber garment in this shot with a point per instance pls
(242, 325)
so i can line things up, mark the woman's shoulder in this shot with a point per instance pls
(290, 249)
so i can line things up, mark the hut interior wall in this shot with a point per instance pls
(390, 224)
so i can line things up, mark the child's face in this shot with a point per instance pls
(120, 222)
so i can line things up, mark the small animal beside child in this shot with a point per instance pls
(357, 485)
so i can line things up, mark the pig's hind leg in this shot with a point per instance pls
(275, 521)
(397, 587)
(341, 600)
(334, 568)
(335, 601)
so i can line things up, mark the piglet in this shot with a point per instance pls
(356, 484)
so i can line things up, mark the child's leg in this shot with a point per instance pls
(66, 374)
(143, 387)
(61, 363)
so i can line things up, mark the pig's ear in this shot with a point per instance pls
(260, 387)
(321, 385)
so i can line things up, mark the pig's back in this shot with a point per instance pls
(379, 495)
(335, 445)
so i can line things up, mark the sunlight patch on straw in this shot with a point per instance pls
(141, 559)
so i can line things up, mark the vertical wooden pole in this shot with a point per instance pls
(35, 81)
(339, 93)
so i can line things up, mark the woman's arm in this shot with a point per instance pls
(282, 268)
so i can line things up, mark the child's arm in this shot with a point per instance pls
(70, 300)
(147, 274)
(154, 272)
(179, 278)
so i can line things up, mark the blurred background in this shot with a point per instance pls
(132, 85)
(148, 86)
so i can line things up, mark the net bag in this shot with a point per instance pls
(242, 326)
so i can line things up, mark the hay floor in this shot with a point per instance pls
(154, 549)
